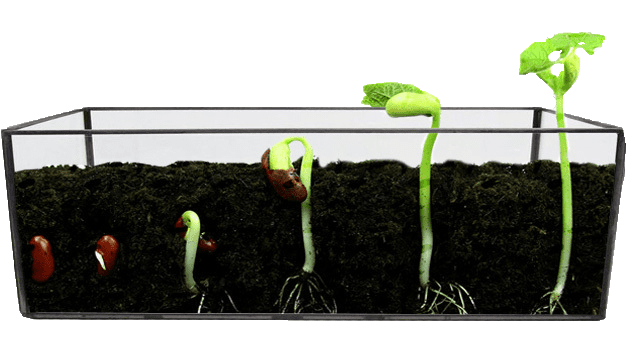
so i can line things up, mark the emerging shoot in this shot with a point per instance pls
(280, 171)
(401, 100)
(535, 59)
(190, 220)
(195, 241)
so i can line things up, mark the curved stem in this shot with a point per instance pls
(305, 177)
(192, 221)
(567, 210)
(425, 205)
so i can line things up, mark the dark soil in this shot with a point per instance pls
(497, 232)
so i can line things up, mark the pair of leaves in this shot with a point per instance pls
(535, 59)
(377, 94)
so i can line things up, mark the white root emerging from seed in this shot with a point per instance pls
(100, 260)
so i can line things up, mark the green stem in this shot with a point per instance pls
(567, 210)
(425, 205)
(305, 177)
(192, 221)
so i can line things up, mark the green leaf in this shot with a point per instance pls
(535, 59)
(587, 41)
(377, 94)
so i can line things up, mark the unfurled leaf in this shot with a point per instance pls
(535, 59)
(377, 94)
(587, 41)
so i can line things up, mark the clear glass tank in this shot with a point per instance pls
(163, 136)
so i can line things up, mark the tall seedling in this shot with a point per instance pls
(401, 100)
(535, 59)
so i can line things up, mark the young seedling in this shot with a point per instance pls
(535, 59)
(191, 221)
(402, 100)
(305, 291)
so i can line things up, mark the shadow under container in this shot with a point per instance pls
(131, 172)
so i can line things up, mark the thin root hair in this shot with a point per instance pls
(306, 293)
(547, 306)
(455, 301)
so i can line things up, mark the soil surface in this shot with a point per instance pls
(497, 232)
